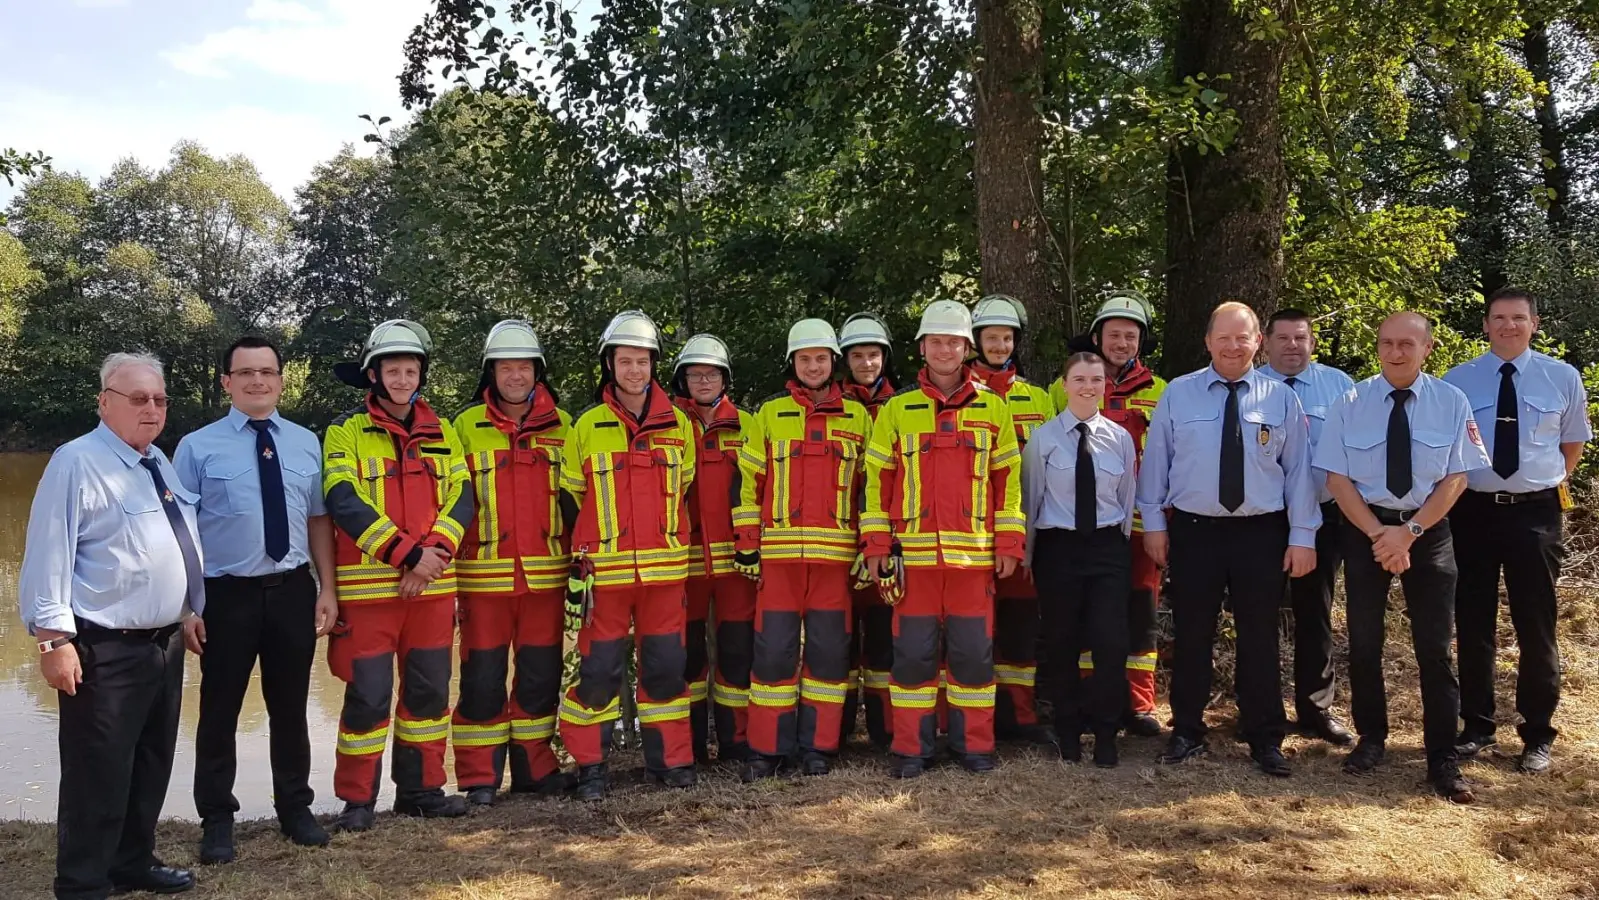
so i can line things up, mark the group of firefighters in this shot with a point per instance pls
(846, 542)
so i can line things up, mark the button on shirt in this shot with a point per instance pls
(219, 462)
(1554, 411)
(100, 545)
(1182, 454)
(1049, 474)
(1443, 439)
(1318, 387)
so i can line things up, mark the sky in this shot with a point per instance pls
(89, 82)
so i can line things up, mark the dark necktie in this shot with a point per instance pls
(1291, 380)
(1087, 489)
(274, 506)
(1230, 491)
(1507, 425)
(180, 530)
(1399, 480)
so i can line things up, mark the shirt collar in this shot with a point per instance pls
(1521, 362)
(1214, 377)
(1070, 420)
(1416, 386)
(129, 456)
(240, 421)
(1275, 375)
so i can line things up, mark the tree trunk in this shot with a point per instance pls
(1224, 211)
(1012, 236)
(1551, 137)
(1485, 227)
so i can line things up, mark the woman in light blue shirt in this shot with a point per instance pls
(1078, 478)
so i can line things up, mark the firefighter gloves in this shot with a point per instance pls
(579, 592)
(748, 564)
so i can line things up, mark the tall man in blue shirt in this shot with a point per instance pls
(1396, 451)
(1290, 342)
(262, 525)
(1510, 519)
(112, 564)
(1227, 470)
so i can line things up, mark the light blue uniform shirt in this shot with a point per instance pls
(219, 463)
(1443, 439)
(1554, 411)
(100, 545)
(1318, 387)
(1049, 475)
(1182, 454)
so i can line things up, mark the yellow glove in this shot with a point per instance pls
(861, 572)
(748, 564)
(579, 592)
(891, 578)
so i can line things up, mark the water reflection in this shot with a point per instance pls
(28, 756)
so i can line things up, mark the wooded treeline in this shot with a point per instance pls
(732, 165)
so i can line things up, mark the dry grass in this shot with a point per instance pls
(1036, 828)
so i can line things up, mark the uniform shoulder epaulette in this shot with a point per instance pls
(345, 416)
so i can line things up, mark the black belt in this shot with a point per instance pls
(1392, 516)
(275, 579)
(1506, 498)
(1280, 513)
(93, 631)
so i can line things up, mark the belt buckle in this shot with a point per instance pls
(1504, 498)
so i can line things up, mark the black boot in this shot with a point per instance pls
(680, 777)
(978, 763)
(815, 763)
(591, 783)
(907, 767)
(430, 805)
(302, 828)
(757, 767)
(1071, 745)
(480, 796)
(1105, 755)
(551, 785)
(356, 817)
(216, 841)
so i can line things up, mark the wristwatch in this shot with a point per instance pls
(55, 643)
(1414, 528)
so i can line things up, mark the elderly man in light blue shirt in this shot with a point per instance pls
(263, 524)
(1227, 469)
(112, 564)
(1533, 413)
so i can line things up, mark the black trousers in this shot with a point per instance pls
(1429, 588)
(272, 619)
(1311, 599)
(1240, 558)
(1526, 540)
(1083, 581)
(117, 737)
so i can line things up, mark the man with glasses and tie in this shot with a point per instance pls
(112, 565)
(1227, 470)
(1396, 451)
(1510, 519)
(263, 526)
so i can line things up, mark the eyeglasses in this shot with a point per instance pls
(249, 374)
(702, 377)
(138, 400)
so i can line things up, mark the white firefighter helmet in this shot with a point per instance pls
(704, 350)
(396, 336)
(864, 328)
(810, 334)
(1126, 304)
(631, 328)
(513, 339)
(946, 317)
(999, 309)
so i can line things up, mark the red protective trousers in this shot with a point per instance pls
(873, 648)
(592, 706)
(725, 604)
(802, 711)
(1015, 655)
(362, 653)
(945, 619)
(491, 724)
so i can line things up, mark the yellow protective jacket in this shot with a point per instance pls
(943, 478)
(516, 542)
(392, 491)
(1030, 405)
(802, 466)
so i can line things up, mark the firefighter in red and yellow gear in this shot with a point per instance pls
(1121, 333)
(943, 518)
(397, 488)
(997, 324)
(626, 472)
(512, 573)
(796, 524)
(868, 378)
(719, 598)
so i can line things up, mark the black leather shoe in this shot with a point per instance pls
(591, 782)
(813, 763)
(1364, 759)
(158, 880)
(1071, 747)
(680, 777)
(1446, 780)
(480, 796)
(430, 805)
(551, 785)
(1046, 738)
(1270, 759)
(1142, 725)
(907, 767)
(356, 817)
(734, 753)
(1468, 746)
(302, 828)
(216, 842)
(978, 763)
(1182, 748)
(1328, 728)
(1534, 759)
(757, 767)
(1105, 755)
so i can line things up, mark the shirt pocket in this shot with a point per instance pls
(144, 515)
(1196, 431)
(1367, 452)
(1263, 432)
(1545, 411)
(1316, 418)
(230, 488)
(1429, 460)
(301, 478)
(1060, 475)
